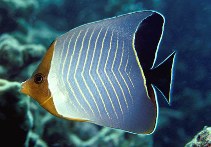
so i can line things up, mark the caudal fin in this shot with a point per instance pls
(161, 76)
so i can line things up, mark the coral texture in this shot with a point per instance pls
(202, 139)
(15, 117)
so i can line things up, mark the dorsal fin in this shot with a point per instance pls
(147, 39)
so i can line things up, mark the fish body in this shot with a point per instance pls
(103, 72)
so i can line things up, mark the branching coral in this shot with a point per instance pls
(16, 120)
(34, 140)
(111, 137)
(15, 116)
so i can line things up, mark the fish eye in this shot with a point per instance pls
(38, 78)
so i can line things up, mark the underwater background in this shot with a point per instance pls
(27, 27)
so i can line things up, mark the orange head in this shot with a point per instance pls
(37, 86)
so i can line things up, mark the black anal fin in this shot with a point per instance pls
(161, 76)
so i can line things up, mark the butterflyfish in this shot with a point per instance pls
(103, 72)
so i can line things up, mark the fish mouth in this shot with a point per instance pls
(24, 88)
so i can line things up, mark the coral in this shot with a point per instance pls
(202, 139)
(16, 120)
(15, 117)
(15, 57)
(68, 133)
(34, 140)
(27, 27)
(20, 7)
(21, 57)
(38, 33)
(11, 11)
(109, 137)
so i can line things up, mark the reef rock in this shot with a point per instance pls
(15, 117)
(202, 139)
(16, 56)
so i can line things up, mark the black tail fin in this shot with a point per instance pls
(161, 76)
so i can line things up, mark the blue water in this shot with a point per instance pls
(28, 28)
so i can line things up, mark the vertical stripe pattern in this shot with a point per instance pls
(98, 75)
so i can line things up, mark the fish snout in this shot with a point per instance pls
(24, 88)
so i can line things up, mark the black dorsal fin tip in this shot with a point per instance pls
(147, 39)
